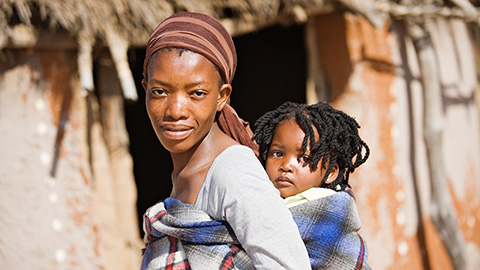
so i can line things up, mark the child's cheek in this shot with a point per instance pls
(269, 169)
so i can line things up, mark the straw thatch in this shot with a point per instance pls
(133, 21)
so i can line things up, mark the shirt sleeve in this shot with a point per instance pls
(242, 194)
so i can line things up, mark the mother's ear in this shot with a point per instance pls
(223, 96)
(333, 174)
(145, 85)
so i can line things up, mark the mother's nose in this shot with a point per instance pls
(176, 107)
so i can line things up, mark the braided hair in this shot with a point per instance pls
(338, 141)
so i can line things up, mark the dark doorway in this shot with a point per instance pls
(271, 70)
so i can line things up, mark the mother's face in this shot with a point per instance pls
(182, 97)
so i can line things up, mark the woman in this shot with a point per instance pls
(189, 66)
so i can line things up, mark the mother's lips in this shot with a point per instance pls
(176, 127)
(176, 132)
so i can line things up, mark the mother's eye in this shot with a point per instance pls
(158, 91)
(199, 94)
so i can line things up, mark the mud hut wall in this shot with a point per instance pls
(67, 191)
(454, 49)
(374, 76)
(45, 177)
(115, 196)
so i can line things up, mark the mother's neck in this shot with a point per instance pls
(200, 153)
(191, 168)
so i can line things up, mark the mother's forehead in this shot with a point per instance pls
(200, 33)
(181, 58)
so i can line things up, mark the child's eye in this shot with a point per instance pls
(276, 154)
(305, 159)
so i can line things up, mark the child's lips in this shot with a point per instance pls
(283, 181)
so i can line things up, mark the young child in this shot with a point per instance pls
(309, 153)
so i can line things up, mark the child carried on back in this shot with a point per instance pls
(309, 152)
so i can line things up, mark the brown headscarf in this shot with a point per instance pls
(205, 35)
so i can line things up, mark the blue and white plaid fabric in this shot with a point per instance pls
(329, 228)
(180, 236)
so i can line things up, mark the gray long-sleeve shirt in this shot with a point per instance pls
(237, 189)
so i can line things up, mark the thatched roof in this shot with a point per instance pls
(125, 23)
(134, 20)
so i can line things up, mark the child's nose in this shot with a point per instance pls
(286, 166)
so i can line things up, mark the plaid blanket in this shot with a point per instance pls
(329, 228)
(179, 236)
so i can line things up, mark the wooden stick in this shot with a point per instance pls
(443, 214)
(118, 49)
(85, 62)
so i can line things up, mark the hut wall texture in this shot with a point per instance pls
(374, 76)
(59, 208)
(46, 219)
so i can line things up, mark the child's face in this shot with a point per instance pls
(287, 166)
(182, 98)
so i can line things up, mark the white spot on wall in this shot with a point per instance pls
(39, 105)
(400, 196)
(402, 248)
(45, 158)
(394, 133)
(57, 225)
(60, 255)
(400, 219)
(53, 198)
(41, 128)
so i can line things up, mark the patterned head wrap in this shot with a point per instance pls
(205, 35)
(199, 33)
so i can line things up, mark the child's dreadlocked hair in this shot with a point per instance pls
(338, 142)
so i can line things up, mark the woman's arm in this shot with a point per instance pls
(240, 192)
